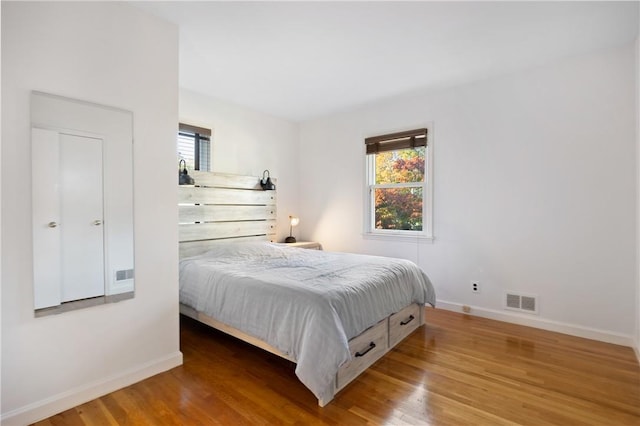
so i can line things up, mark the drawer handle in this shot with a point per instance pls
(371, 346)
(411, 318)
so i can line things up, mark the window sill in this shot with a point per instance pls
(397, 237)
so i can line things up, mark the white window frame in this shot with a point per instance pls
(370, 232)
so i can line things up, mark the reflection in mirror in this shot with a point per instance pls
(82, 204)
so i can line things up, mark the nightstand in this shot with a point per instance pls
(306, 244)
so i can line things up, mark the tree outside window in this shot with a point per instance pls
(398, 201)
(399, 184)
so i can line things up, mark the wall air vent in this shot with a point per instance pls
(513, 301)
(521, 302)
(124, 274)
(528, 303)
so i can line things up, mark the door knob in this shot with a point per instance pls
(97, 222)
(52, 224)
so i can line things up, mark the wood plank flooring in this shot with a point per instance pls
(457, 370)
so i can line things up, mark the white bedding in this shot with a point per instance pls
(305, 303)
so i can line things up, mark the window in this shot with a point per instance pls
(399, 184)
(194, 147)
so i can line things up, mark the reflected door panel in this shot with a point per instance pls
(47, 258)
(82, 223)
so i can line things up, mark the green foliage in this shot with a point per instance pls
(399, 208)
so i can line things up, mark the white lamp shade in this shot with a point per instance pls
(294, 221)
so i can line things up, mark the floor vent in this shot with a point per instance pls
(521, 302)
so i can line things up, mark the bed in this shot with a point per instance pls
(333, 314)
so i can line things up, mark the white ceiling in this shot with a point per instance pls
(300, 60)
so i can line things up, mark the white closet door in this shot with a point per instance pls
(47, 259)
(81, 205)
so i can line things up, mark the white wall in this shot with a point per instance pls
(535, 190)
(112, 54)
(637, 116)
(247, 142)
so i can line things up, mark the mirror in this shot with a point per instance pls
(82, 203)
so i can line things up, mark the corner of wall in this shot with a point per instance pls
(97, 350)
(637, 115)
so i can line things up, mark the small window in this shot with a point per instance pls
(194, 147)
(399, 184)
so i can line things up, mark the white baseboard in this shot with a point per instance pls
(637, 349)
(545, 324)
(55, 404)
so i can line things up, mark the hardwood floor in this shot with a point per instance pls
(457, 370)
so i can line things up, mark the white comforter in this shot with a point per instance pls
(305, 303)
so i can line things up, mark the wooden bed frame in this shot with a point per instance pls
(222, 207)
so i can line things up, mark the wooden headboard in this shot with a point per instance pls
(221, 208)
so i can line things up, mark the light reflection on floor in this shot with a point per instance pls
(415, 402)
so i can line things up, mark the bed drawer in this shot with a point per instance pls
(365, 349)
(402, 323)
